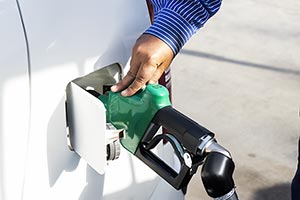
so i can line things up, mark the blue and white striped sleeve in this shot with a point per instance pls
(175, 21)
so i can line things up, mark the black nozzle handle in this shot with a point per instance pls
(177, 179)
(184, 135)
(188, 132)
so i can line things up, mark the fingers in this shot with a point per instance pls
(130, 76)
(144, 74)
(133, 82)
(150, 57)
(127, 80)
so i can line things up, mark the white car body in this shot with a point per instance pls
(43, 46)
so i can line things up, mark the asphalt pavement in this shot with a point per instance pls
(240, 78)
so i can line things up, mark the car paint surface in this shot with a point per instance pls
(56, 42)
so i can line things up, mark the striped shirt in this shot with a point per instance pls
(175, 21)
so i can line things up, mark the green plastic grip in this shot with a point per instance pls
(134, 113)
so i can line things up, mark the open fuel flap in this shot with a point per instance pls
(88, 134)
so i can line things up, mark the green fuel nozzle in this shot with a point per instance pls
(134, 114)
(143, 114)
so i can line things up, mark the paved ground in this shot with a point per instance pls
(240, 78)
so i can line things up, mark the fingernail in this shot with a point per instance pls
(113, 88)
(124, 93)
(152, 82)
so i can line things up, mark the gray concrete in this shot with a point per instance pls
(240, 78)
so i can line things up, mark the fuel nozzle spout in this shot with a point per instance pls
(217, 173)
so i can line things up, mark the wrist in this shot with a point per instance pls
(171, 28)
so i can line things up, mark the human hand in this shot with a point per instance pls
(150, 58)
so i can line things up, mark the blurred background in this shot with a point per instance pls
(240, 78)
